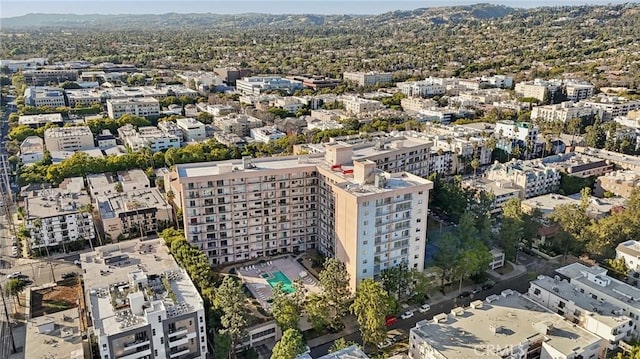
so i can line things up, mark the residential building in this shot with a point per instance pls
(289, 104)
(266, 134)
(292, 125)
(147, 137)
(192, 129)
(216, 110)
(497, 259)
(68, 138)
(350, 352)
(31, 150)
(622, 161)
(499, 81)
(55, 216)
(547, 204)
(507, 325)
(230, 75)
(578, 90)
(335, 205)
(230, 139)
(619, 183)
(142, 304)
(258, 84)
(101, 184)
(133, 180)
(59, 156)
(424, 88)
(368, 78)
(134, 213)
(106, 139)
(564, 112)
(44, 96)
(171, 128)
(47, 76)
(596, 284)
(612, 106)
(417, 104)
(314, 123)
(629, 251)
(502, 191)
(481, 97)
(35, 121)
(542, 90)
(325, 115)
(140, 106)
(437, 114)
(356, 105)
(532, 177)
(628, 121)
(240, 125)
(524, 132)
(58, 334)
(15, 65)
(603, 319)
(317, 82)
(578, 164)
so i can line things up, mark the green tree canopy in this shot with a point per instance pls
(289, 346)
(370, 306)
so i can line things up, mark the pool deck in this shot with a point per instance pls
(260, 288)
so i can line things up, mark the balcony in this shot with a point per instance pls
(177, 332)
(137, 355)
(178, 352)
(178, 342)
(136, 344)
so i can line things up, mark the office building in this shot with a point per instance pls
(31, 150)
(506, 325)
(48, 76)
(140, 106)
(15, 65)
(532, 177)
(230, 75)
(258, 84)
(368, 78)
(192, 129)
(142, 304)
(55, 216)
(44, 96)
(316, 82)
(68, 138)
(88, 97)
(35, 121)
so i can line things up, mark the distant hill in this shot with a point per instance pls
(439, 14)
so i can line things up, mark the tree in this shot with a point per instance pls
(222, 343)
(230, 299)
(619, 266)
(446, 257)
(475, 164)
(290, 345)
(118, 187)
(318, 311)
(14, 287)
(511, 230)
(370, 306)
(340, 344)
(334, 281)
(396, 280)
(285, 310)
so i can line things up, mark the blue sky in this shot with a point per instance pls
(10, 8)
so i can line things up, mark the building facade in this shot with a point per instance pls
(68, 138)
(44, 96)
(192, 129)
(368, 78)
(143, 106)
(533, 178)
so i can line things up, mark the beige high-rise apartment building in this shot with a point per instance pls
(244, 209)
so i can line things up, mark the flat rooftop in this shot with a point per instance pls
(206, 169)
(56, 132)
(51, 202)
(54, 335)
(39, 119)
(505, 322)
(604, 312)
(629, 160)
(110, 271)
(583, 275)
(111, 205)
(629, 247)
(369, 149)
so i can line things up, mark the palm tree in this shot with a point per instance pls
(170, 197)
(475, 163)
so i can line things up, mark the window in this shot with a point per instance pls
(536, 291)
(162, 340)
(153, 332)
(155, 352)
(159, 319)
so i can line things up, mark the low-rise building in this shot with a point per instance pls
(368, 78)
(564, 112)
(578, 164)
(622, 161)
(134, 213)
(629, 251)
(598, 317)
(47, 76)
(240, 125)
(266, 134)
(356, 105)
(612, 106)
(147, 137)
(506, 325)
(31, 150)
(258, 84)
(424, 88)
(44, 96)
(58, 334)
(502, 191)
(230, 139)
(55, 216)
(139, 106)
(619, 183)
(192, 129)
(497, 259)
(68, 138)
(578, 90)
(532, 177)
(542, 90)
(142, 304)
(547, 204)
(417, 104)
(216, 110)
(106, 139)
(35, 121)
(317, 82)
(482, 97)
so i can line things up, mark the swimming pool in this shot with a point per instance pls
(278, 277)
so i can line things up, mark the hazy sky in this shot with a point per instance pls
(12, 8)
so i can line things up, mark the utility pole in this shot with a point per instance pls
(6, 314)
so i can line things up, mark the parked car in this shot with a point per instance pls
(385, 344)
(16, 275)
(488, 285)
(69, 275)
(406, 315)
(424, 308)
(477, 290)
(464, 294)
(77, 262)
(390, 320)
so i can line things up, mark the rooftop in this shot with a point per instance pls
(54, 335)
(40, 119)
(629, 247)
(129, 281)
(51, 202)
(115, 203)
(597, 279)
(133, 177)
(625, 160)
(56, 132)
(206, 169)
(119, 101)
(100, 184)
(351, 352)
(501, 322)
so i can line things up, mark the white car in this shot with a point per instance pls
(424, 308)
(385, 344)
(406, 315)
(15, 275)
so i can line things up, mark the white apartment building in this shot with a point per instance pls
(564, 112)
(612, 106)
(596, 284)
(598, 317)
(356, 105)
(106, 139)
(44, 96)
(424, 88)
(539, 89)
(267, 134)
(147, 137)
(507, 325)
(31, 150)
(192, 129)
(257, 84)
(368, 78)
(240, 125)
(139, 106)
(68, 138)
(35, 121)
(170, 128)
(368, 219)
(417, 104)
(629, 251)
(55, 216)
(502, 191)
(532, 177)
(522, 131)
(481, 97)
(576, 90)
(142, 304)
(499, 81)
(216, 110)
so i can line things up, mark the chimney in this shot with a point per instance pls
(362, 171)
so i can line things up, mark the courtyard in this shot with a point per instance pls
(263, 276)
